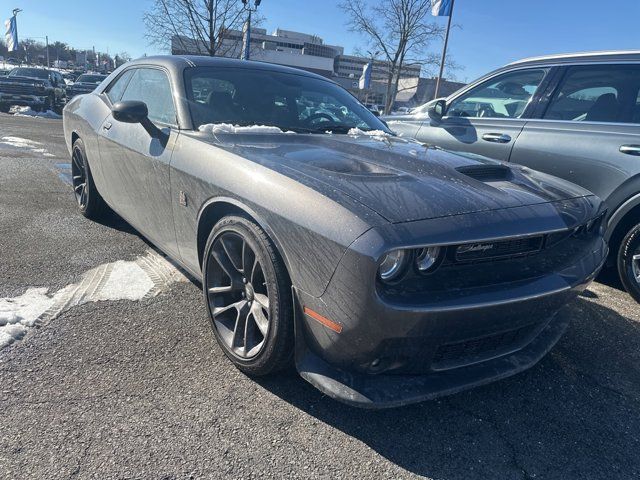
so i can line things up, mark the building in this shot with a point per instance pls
(349, 66)
(282, 47)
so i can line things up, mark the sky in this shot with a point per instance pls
(486, 33)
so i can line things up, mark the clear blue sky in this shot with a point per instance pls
(491, 32)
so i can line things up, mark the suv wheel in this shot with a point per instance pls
(629, 262)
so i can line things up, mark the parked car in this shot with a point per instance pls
(86, 83)
(573, 116)
(38, 88)
(391, 272)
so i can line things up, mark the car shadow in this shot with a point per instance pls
(574, 415)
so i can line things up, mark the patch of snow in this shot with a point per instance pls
(19, 142)
(376, 134)
(144, 277)
(215, 128)
(29, 112)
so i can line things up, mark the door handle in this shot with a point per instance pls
(496, 137)
(630, 149)
(107, 126)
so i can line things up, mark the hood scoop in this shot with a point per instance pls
(349, 166)
(487, 173)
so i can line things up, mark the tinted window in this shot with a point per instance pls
(289, 101)
(152, 87)
(506, 96)
(116, 89)
(597, 94)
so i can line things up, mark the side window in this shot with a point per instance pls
(116, 89)
(597, 94)
(506, 96)
(152, 87)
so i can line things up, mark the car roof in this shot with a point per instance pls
(582, 57)
(180, 62)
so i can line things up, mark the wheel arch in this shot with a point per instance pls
(621, 220)
(214, 209)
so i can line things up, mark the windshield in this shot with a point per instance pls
(30, 73)
(90, 79)
(288, 101)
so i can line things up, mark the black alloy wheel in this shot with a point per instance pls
(89, 201)
(248, 297)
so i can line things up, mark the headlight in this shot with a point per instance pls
(427, 258)
(392, 265)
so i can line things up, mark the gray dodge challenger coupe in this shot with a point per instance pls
(389, 272)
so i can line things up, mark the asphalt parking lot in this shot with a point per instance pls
(138, 388)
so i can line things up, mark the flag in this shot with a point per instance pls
(441, 8)
(12, 34)
(365, 79)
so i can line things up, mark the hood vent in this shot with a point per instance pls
(486, 173)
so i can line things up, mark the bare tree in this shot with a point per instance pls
(197, 25)
(399, 30)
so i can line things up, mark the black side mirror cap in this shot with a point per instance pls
(130, 111)
(437, 110)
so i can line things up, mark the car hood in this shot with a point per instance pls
(401, 180)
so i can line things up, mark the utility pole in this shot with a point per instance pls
(47, 43)
(246, 30)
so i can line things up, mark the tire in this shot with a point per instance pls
(628, 266)
(244, 281)
(4, 108)
(89, 201)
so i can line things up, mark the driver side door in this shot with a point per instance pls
(487, 118)
(136, 162)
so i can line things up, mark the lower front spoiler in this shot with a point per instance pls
(386, 391)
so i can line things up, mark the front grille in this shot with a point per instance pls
(505, 248)
(18, 89)
(457, 354)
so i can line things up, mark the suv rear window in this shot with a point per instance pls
(597, 94)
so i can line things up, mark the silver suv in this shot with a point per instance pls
(573, 116)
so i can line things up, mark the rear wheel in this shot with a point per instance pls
(629, 262)
(89, 201)
(248, 295)
(4, 108)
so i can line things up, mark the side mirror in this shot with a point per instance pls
(437, 110)
(130, 111)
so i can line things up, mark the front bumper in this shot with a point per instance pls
(390, 353)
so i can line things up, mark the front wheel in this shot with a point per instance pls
(248, 295)
(629, 262)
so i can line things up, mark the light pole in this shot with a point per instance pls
(373, 56)
(246, 38)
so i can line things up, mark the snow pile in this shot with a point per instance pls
(20, 313)
(29, 112)
(143, 278)
(215, 128)
(375, 134)
(19, 142)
